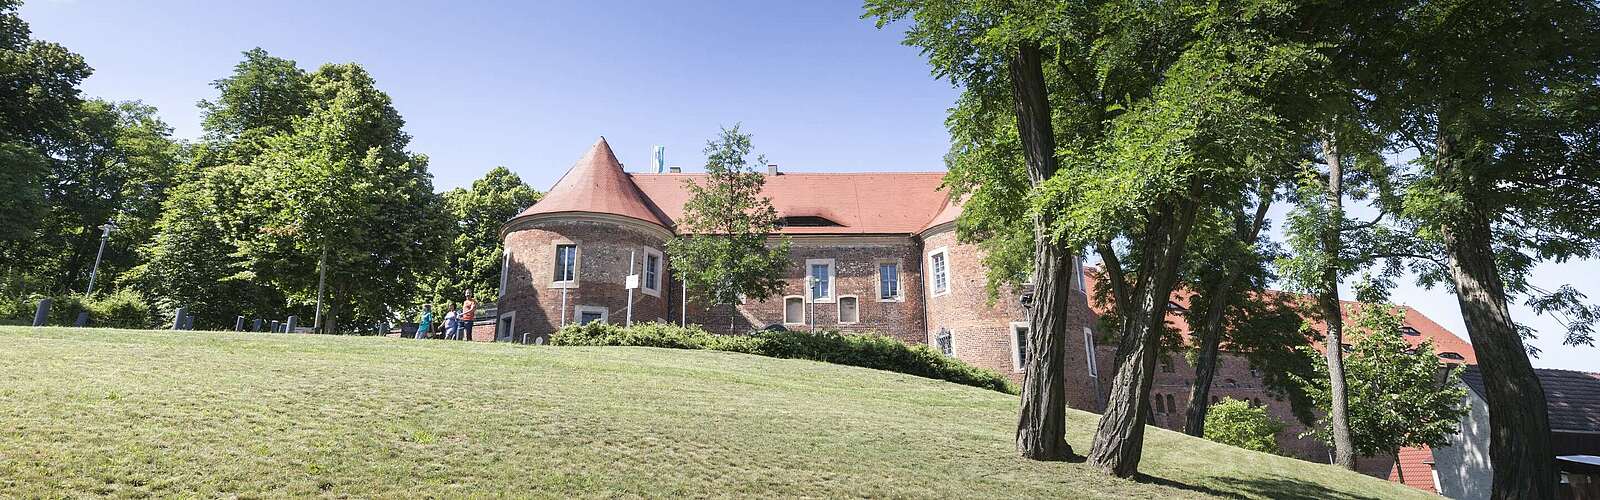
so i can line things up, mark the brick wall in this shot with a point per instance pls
(603, 252)
(855, 263)
(981, 329)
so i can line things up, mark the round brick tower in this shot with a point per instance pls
(567, 257)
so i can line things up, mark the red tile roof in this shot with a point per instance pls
(860, 203)
(1416, 463)
(596, 184)
(1443, 340)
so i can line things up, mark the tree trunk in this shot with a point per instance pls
(1194, 423)
(1519, 423)
(1399, 472)
(1332, 316)
(1042, 422)
(1119, 439)
(322, 281)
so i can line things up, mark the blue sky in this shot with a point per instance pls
(529, 85)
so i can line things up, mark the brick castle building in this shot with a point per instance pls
(881, 249)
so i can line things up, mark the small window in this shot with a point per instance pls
(888, 281)
(1213, 400)
(566, 263)
(944, 342)
(1157, 401)
(1174, 307)
(1410, 332)
(652, 270)
(820, 275)
(1452, 356)
(806, 221)
(1170, 406)
(794, 310)
(1166, 364)
(1019, 346)
(590, 314)
(505, 268)
(1256, 401)
(849, 310)
(940, 267)
(1255, 373)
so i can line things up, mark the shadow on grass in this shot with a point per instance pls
(1276, 487)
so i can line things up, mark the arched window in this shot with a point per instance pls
(1158, 405)
(1171, 407)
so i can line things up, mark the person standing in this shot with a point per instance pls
(469, 311)
(452, 323)
(425, 323)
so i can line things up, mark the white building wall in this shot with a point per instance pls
(1462, 470)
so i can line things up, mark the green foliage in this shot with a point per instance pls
(476, 251)
(261, 99)
(120, 309)
(866, 351)
(1397, 397)
(723, 252)
(1238, 423)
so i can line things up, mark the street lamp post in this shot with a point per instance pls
(104, 235)
(811, 298)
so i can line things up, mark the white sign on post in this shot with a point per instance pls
(633, 281)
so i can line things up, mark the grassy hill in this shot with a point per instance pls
(139, 413)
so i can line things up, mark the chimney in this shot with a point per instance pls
(675, 169)
(772, 169)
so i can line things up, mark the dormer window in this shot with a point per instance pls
(806, 221)
(1410, 332)
(1174, 307)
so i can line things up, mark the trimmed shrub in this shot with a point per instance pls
(866, 351)
(1238, 423)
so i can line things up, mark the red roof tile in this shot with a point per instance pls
(596, 184)
(860, 203)
(1416, 464)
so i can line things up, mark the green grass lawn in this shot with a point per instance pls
(155, 413)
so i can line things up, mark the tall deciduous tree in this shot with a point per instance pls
(261, 99)
(476, 250)
(724, 251)
(1502, 110)
(346, 212)
(1400, 396)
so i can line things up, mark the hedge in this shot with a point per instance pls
(866, 350)
(120, 309)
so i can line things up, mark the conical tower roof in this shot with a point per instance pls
(596, 184)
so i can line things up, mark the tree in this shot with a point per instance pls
(1502, 114)
(476, 249)
(261, 99)
(38, 98)
(1400, 396)
(193, 261)
(342, 203)
(723, 251)
(1238, 423)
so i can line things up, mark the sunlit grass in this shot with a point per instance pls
(154, 413)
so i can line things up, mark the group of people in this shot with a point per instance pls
(456, 326)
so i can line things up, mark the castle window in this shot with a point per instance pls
(794, 310)
(888, 281)
(849, 309)
(1157, 402)
(652, 271)
(940, 267)
(1019, 345)
(820, 272)
(944, 342)
(505, 268)
(1166, 364)
(589, 314)
(566, 263)
(1171, 407)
